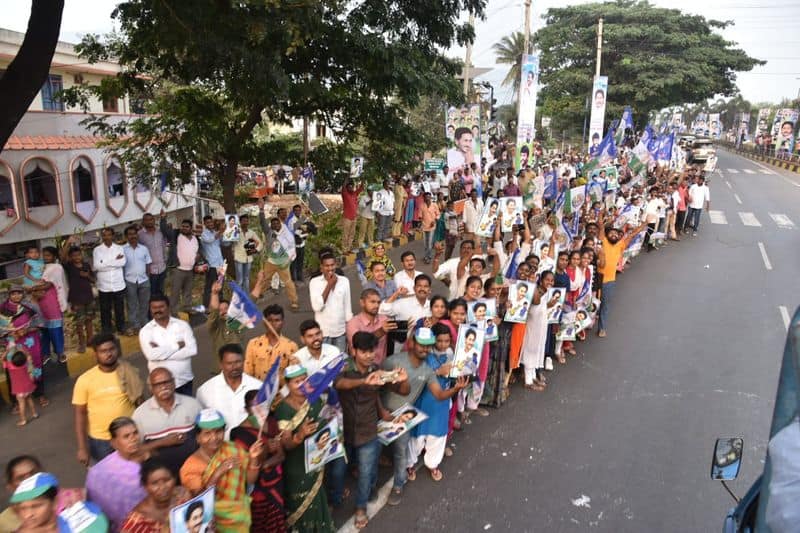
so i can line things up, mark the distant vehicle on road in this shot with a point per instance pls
(702, 149)
(685, 140)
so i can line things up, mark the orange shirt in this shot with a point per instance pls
(429, 214)
(613, 255)
(260, 356)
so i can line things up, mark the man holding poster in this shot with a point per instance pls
(599, 91)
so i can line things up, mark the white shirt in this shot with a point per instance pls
(109, 268)
(676, 200)
(405, 309)
(450, 269)
(383, 202)
(472, 215)
(311, 363)
(167, 354)
(217, 394)
(402, 279)
(698, 196)
(331, 315)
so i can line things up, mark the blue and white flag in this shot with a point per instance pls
(318, 382)
(362, 271)
(513, 263)
(625, 124)
(266, 394)
(607, 152)
(242, 312)
(665, 147)
(550, 185)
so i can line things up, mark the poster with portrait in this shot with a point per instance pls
(403, 420)
(541, 248)
(599, 92)
(676, 124)
(520, 296)
(463, 132)
(583, 319)
(194, 516)
(511, 208)
(526, 118)
(783, 129)
(584, 298)
(482, 313)
(555, 295)
(232, 232)
(469, 347)
(356, 166)
(488, 217)
(567, 328)
(577, 197)
(715, 130)
(324, 446)
(595, 190)
(762, 122)
(700, 124)
(743, 127)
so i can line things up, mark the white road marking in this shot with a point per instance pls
(372, 507)
(785, 316)
(738, 200)
(782, 220)
(768, 170)
(749, 219)
(717, 217)
(748, 171)
(728, 184)
(733, 171)
(763, 251)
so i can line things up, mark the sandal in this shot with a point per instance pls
(561, 359)
(535, 388)
(412, 473)
(21, 423)
(448, 451)
(436, 474)
(480, 411)
(44, 402)
(360, 520)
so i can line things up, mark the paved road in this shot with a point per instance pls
(622, 439)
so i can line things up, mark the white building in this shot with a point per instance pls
(54, 180)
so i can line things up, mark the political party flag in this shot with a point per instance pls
(625, 124)
(242, 312)
(647, 135)
(511, 271)
(163, 181)
(639, 159)
(653, 145)
(318, 382)
(665, 147)
(550, 185)
(266, 394)
(607, 152)
(362, 271)
(567, 199)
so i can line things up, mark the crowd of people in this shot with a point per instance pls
(530, 268)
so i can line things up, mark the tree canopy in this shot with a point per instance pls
(654, 58)
(212, 70)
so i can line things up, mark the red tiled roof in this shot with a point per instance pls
(51, 142)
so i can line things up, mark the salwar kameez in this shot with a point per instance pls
(533, 344)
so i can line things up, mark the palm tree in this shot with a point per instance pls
(509, 51)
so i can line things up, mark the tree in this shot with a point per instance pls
(653, 57)
(27, 72)
(509, 51)
(213, 70)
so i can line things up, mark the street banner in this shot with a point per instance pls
(715, 128)
(783, 127)
(606, 153)
(599, 92)
(700, 124)
(762, 126)
(463, 132)
(743, 127)
(676, 123)
(526, 119)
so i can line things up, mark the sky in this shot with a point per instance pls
(763, 28)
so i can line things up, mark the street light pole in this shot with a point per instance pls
(599, 47)
(468, 58)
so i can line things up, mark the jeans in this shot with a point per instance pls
(680, 221)
(54, 336)
(384, 226)
(296, 268)
(138, 303)
(694, 218)
(605, 303)
(107, 301)
(400, 459)
(243, 275)
(211, 278)
(99, 449)
(365, 457)
(157, 283)
(340, 342)
(427, 237)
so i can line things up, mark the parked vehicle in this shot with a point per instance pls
(701, 150)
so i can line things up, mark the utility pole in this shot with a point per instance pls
(599, 47)
(527, 49)
(468, 59)
(305, 141)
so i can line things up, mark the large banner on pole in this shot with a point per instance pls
(783, 127)
(700, 124)
(526, 129)
(463, 131)
(599, 93)
(677, 122)
(743, 127)
(715, 128)
(762, 126)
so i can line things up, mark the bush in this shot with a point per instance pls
(329, 234)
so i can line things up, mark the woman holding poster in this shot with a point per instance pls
(226, 467)
(536, 334)
(151, 515)
(306, 502)
(266, 506)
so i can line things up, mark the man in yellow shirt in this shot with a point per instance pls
(262, 350)
(106, 391)
(614, 244)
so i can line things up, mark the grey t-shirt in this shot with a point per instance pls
(418, 379)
